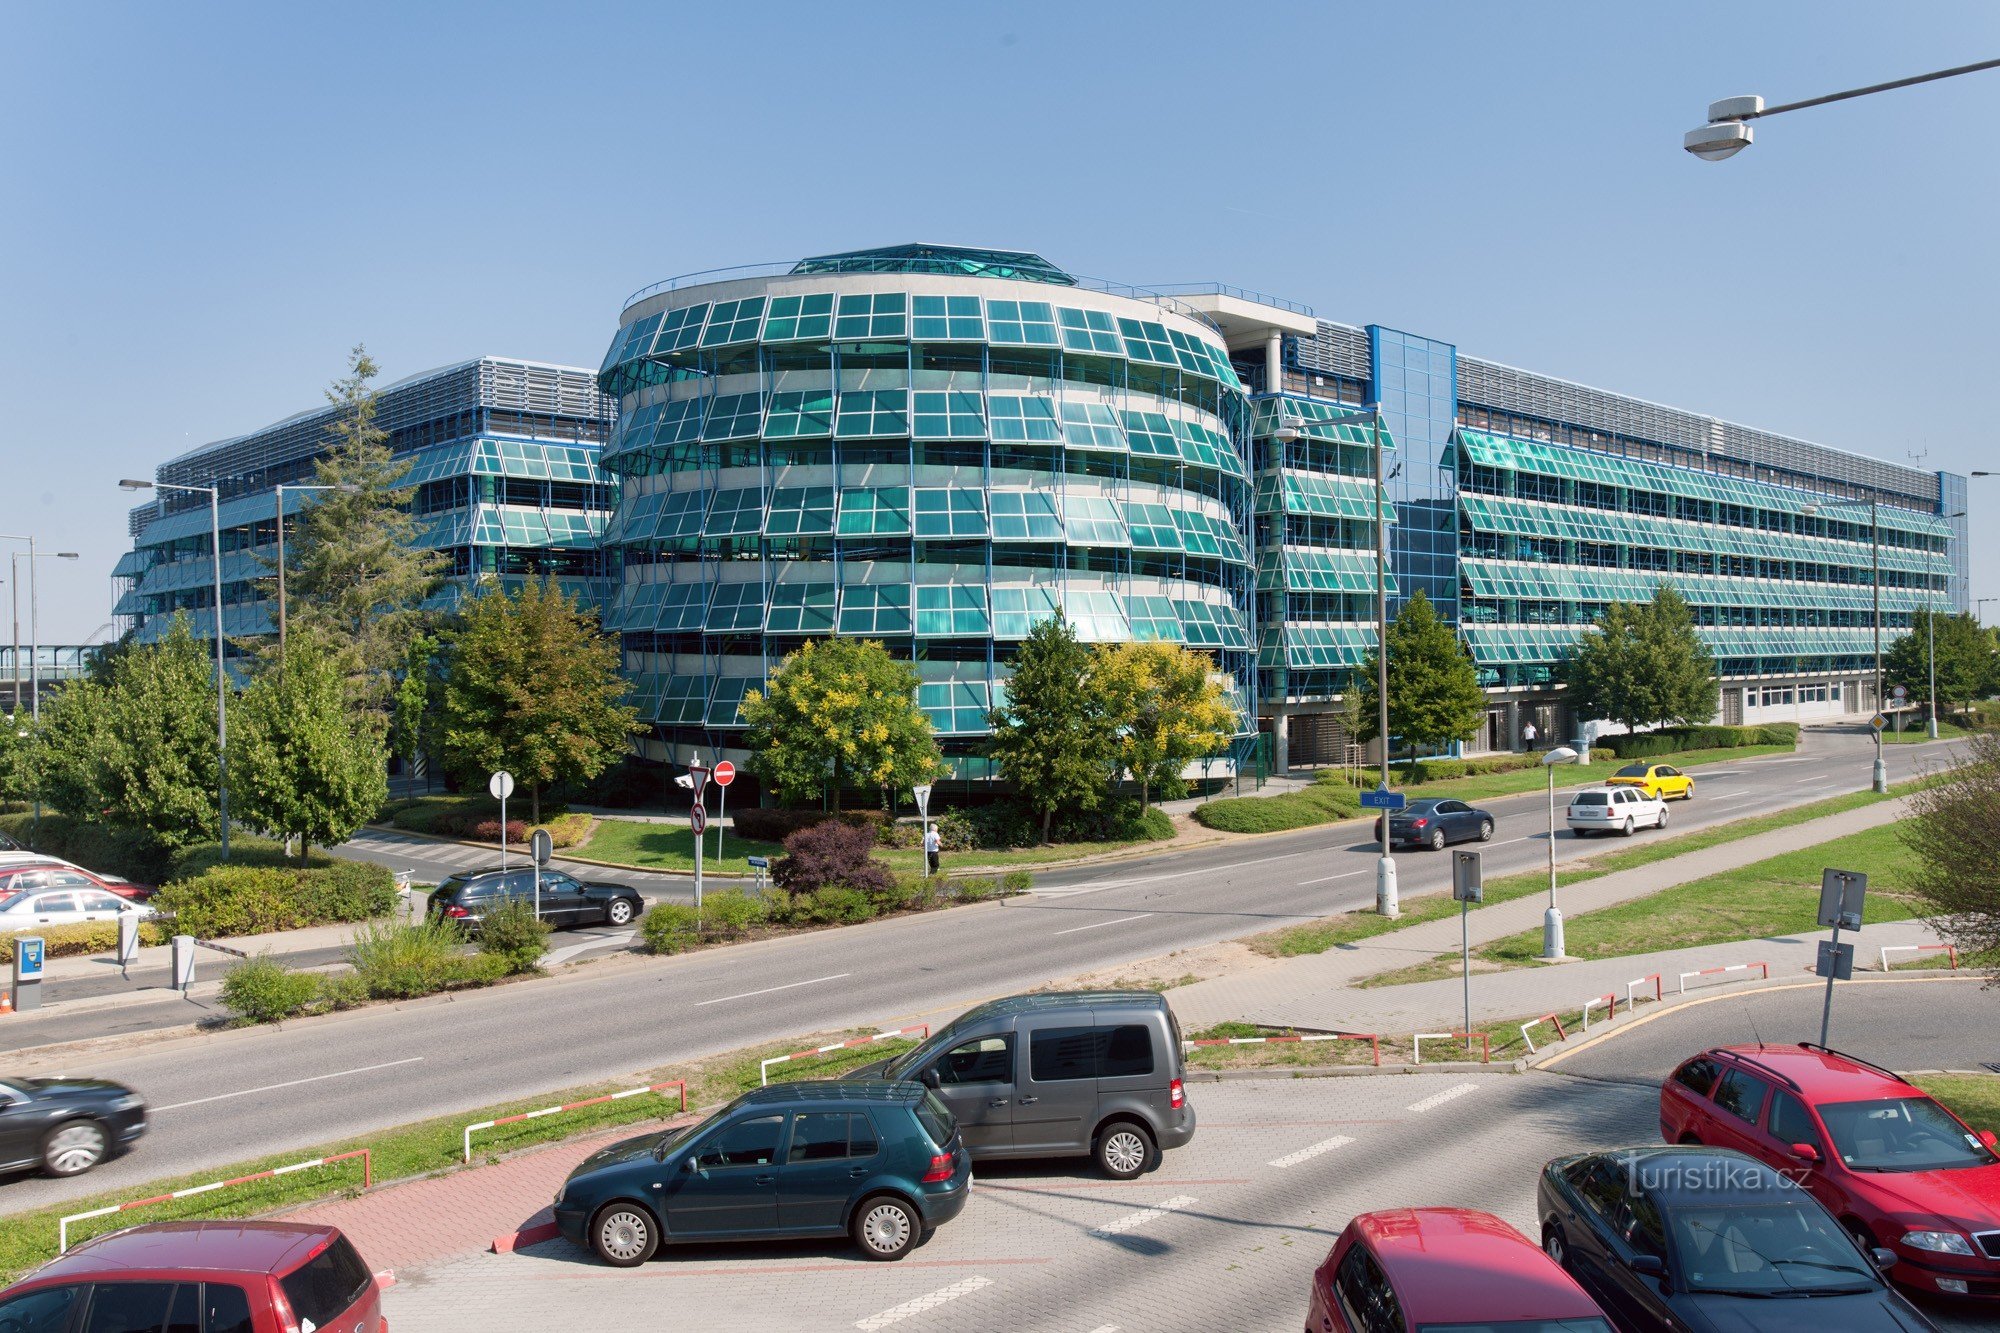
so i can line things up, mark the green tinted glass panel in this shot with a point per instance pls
(1091, 425)
(1097, 614)
(1154, 617)
(1089, 331)
(946, 512)
(876, 608)
(725, 708)
(799, 318)
(681, 329)
(733, 322)
(1024, 516)
(800, 511)
(1152, 526)
(955, 707)
(1021, 323)
(946, 319)
(948, 414)
(1016, 611)
(799, 414)
(683, 700)
(1094, 520)
(952, 610)
(802, 608)
(866, 315)
(738, 512)
(682, 607)
(1151, 434)
(873, 413)
(680, 515)
(874, 511)
(736, 607)
(734, 416)
(1147, 341)
(1023, 418)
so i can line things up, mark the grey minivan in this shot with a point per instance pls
(1059, 1074)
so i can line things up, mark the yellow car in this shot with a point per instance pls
(1662, 782)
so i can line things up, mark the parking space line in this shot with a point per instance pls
(770, 990)
(1306, 1154)
(928, 1301)
(1131, 1221)
(753, 1269)
(1069, 1187)
(1093, 926)
(1449, 1094)
(1105, 1328)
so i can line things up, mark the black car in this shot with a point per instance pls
(1434, 822)
(880, 1162)
(65, 1126)
(565, 901)
(1708, 1240)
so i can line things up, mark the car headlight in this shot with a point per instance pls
(1939, 1242)
(126, 1103)
(561, 1190)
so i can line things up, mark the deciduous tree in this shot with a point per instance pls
(1052, 738)
(1952, 829)
(1434, 694)
(840, 711)
(302, 762)
(531, 685)
(1168, 709)
(1642, 664)
(1967, 668)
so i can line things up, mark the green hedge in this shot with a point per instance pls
(121, 852)
(84, 937)
(1677, 740)
(233, 900)
(1321, 803)
(760, 824)
(200, 857)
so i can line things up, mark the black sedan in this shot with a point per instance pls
(1434, 822)
(565, 901)
(1707, 1240)
(65, 1126)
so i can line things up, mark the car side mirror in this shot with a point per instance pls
(1652, 1266)
(929, 1078)
(687, 1163)
(1884, 1259)
(1805, 1152)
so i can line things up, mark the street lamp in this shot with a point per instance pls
(1880, 773)
(1552, 920)
(34, 634)
(214, 494)
(1728, 131)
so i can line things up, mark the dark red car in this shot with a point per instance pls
(62, 875)
(1412, 1269)
(219, 1277)
(1897, 1169)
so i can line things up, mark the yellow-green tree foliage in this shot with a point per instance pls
(1170, 709)
(840, 712)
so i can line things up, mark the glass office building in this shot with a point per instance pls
(934, 447)
(504, 465)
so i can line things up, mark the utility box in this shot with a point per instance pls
(183, 962)
(28, 956)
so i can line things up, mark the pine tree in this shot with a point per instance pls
(531, 685)
(1168, 708)
(1434, 694)
(839, 711)
(1051, 737)
(356, 575)
(301, 762)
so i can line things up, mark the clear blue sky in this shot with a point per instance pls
(207, 205)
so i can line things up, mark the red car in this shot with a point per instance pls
(1898, 1170)
(62, 875)
(1411, 1269)
(220, 1277)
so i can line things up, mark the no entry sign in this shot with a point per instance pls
(724, 774)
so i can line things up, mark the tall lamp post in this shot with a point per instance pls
(34, 634)
(1880, 773)
(1728, 130)
(214, 494)
(1552, 920)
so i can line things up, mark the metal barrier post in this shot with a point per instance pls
(183, 963)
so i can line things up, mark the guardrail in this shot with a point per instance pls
(1609, 998)
(764, 1066)
(1537, 1022)
(1374, 1040)
(1659, 991)
(1950, 950)
(1764, 968)
(677, 1084)
(367, 1181)
(1417, 1040)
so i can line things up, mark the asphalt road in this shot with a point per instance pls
(321, 1079)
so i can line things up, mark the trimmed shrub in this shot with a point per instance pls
(343, 891)
(729, 913)
(956, 831)
(669, 928)
(771, 825)
(264, 990)
(904, 834)
(831, 855)
(403, 962)
(1017, 881)
(1321, 803)
(488, 830)
(572, 830)
(1433, 770)
(197, 857)
(975, 888)
(836, 904)
(342, 990)
(230, 899)
(126, 853)
(1501, 763)
(84, 937)
(513, 933)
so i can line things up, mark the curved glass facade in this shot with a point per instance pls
(938, 454)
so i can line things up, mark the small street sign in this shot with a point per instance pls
(1467, 885)
(922, 793)
(698, 774)
(1878, 722)
(501, 785)
(1383, 799)
(1841, 893)
(1836, 961)
(759, 862)
(724, 774)
(542, 845)
(1899, 692)
(698, 821)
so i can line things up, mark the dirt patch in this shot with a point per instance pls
(1183, 967)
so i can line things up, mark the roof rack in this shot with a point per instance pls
(1759, 1065)
(1865, 1064)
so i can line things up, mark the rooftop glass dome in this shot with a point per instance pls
(957, 261)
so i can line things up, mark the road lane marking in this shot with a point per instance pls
(569, 951)
(771, 990)
(293, 1083)
(1092, 886)
(1308, 1153)
(930, 1301)
(1132, 1221)
(1094, 925)
(1105, 1328)
(1449, 1094)
(1345, 874)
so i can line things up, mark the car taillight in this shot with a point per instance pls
(941, 1168)
(456, 910)
(1176, 1095)
(1419, 823)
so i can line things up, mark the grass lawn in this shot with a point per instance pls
(1975, 1097)
(424, 1148)
(1777, 896)
(627, 842)
(1913, 732)
(1349, 927)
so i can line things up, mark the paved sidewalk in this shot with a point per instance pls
(1315, 990)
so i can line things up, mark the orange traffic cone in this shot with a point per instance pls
(6, 1001)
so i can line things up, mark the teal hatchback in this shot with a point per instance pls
(880, 1162)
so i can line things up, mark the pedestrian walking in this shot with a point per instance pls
(933, 845)
(1528, 735)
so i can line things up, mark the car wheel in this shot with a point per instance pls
(1629, 826)
(72, 1148)
(1486, 830)
(620, 912)
(1663, 816)
(1689, 1141)
(1554, 1246)
(624, 1235)
(1687, 792)
(886, 1227)
(1437, 839)
(1124, 1150)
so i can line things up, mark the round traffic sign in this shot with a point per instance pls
(501, 784)
(724, 774)
(698, 821)
(1900, 692)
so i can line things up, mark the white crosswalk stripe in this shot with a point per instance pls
(1306, 1154)
(1131, 1221)
(1452, 1093)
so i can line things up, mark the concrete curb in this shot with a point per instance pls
(1351, 1071)
(526, 1236)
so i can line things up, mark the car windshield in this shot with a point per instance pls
(1901, 1134)
(906, 1064)
(9, 897)
(1632, 771)
(1592, 798)
(1582, 1324)
(1772, 1249)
